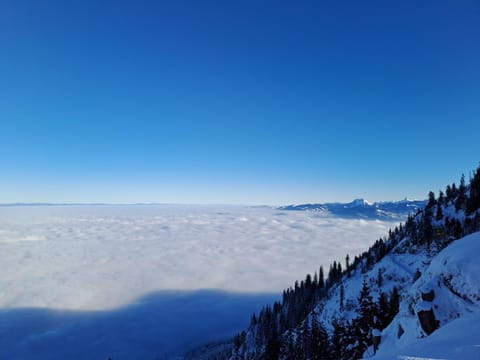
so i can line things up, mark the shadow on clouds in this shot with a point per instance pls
(157, 326)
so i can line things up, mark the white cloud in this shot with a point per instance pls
(102, 257)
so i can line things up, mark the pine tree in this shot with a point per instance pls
(338, 340)
(305, 338)
(287, 348)
(427, 228)
(473, 202)
(457, 229)
(299, 346)
(476, 222)
(441, 198)
(431, 200)
(272, 350)
(448, 194)
(363, 325)
(382, 314)
(308, 281)
(342, 296)
(318, 341)
(367, 306)
(439, 214)
(321, 280)
(460, 202)
(238, 340)
(379, 278)
(394, 304)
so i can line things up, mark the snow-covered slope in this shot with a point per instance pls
(414, 294)
(363, 209)
(454, 277)
(458, 340)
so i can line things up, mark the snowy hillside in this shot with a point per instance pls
(413, 294)
(453, 276)
(363, 209)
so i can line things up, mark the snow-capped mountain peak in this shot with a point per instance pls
(363, 209)
(360, 202)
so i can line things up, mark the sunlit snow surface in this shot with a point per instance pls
(90, 258)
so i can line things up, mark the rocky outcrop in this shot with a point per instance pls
(400, 331)
(424, 310)
(428, 296)
(425, 313)
(376, 339)
(428, 321)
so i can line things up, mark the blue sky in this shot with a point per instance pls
(252, 102)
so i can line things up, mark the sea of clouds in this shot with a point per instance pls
(99, 257)
(103, 258)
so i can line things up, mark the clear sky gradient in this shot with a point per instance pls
(252, 102)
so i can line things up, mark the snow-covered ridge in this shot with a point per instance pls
(452, 279)
(414, 294)
(361, 208)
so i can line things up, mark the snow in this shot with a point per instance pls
(459, 263)
(110, 277)
(458, 340)
(361, 208)
(453, 275)
(423, 306)
(360, 202)
(397, 270)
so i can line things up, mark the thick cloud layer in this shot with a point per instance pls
(103, 257)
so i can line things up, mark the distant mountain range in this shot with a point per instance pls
(361, 208)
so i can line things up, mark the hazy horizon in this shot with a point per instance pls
(191, 204)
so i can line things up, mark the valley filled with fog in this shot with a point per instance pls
(105, 273)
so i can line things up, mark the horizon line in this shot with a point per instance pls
(40, 203)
